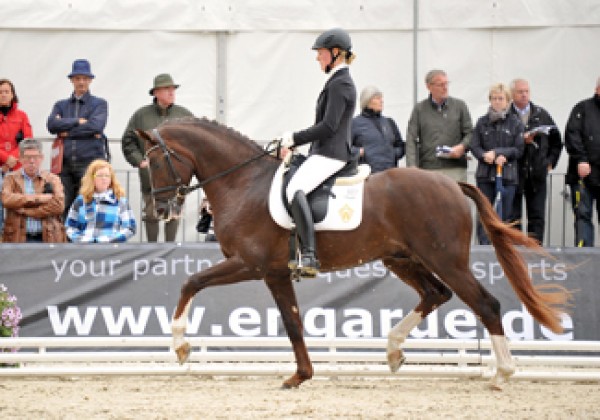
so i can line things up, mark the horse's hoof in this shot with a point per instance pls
(285, 385)
(183, 353)
(501, 378)
(395, 359)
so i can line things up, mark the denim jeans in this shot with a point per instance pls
(489, 190)
(583, 211)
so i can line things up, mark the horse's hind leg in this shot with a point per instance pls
(433, 293)
(229, 271)
(487, 308)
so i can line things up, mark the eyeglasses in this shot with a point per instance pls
(102, 175)
(440, 84)
(31, 157)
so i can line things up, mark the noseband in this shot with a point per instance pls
(181, 190)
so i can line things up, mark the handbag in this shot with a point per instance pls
(56, 155)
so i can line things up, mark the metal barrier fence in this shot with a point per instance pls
(559, 216)
(551, 360)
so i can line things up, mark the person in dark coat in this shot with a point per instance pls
(329, 137)
(497, 141)
(374, 137)
(543, 146)
(80, 121)
(582, 141)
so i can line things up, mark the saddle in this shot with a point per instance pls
(336, 204)
(318, 199)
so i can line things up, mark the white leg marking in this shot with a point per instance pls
(396, 337)
(505, 366)
(178, 327)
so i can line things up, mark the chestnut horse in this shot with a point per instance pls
(417, 222)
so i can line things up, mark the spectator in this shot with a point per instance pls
(80, 121)
(582, 141)
(440, 120)
(34, 199)
(542, 150)
(100, 213)
(205, 225)
(161, 109)
(14, 127)
(376, 138)
(497, 141)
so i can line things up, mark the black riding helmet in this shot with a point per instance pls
(333, 38)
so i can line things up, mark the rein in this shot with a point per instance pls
(183, 190)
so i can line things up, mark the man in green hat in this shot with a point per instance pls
(150, 116)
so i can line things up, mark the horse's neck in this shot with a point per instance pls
(247, 183)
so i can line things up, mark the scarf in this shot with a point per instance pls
(496, 115)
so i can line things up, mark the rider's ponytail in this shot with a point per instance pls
(349, 57)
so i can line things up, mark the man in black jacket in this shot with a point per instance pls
(582, 141)
(543, 146)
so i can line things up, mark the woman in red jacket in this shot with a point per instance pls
(14, 127)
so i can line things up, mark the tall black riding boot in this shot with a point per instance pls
(309, 265)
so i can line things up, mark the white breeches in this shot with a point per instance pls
(311, 173)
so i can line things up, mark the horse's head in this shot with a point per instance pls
(169, 173)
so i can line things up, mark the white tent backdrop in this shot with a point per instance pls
(249, 63)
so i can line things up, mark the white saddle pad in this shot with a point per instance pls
(344, 210)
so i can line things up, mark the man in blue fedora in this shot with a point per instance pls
(80, 121)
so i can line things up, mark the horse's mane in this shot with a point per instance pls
(214, 126)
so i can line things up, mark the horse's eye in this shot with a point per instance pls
(154, 165)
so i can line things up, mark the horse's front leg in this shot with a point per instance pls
(283, 292)
(229, 271)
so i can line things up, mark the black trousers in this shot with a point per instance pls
(71, 175)
(534, 193)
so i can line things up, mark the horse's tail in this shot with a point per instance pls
(546, 302)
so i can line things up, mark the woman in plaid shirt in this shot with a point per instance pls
(100, 213)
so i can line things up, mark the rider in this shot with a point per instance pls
(330, 137)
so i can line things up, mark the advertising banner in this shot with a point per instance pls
(132, 290)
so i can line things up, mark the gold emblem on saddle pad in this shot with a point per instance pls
(346, 213)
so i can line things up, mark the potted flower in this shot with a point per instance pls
(10, 316)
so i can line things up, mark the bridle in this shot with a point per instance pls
(181, 190)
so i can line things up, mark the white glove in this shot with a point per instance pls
(286, 139)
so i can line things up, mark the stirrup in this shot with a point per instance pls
(305, 266)
(309, 265)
